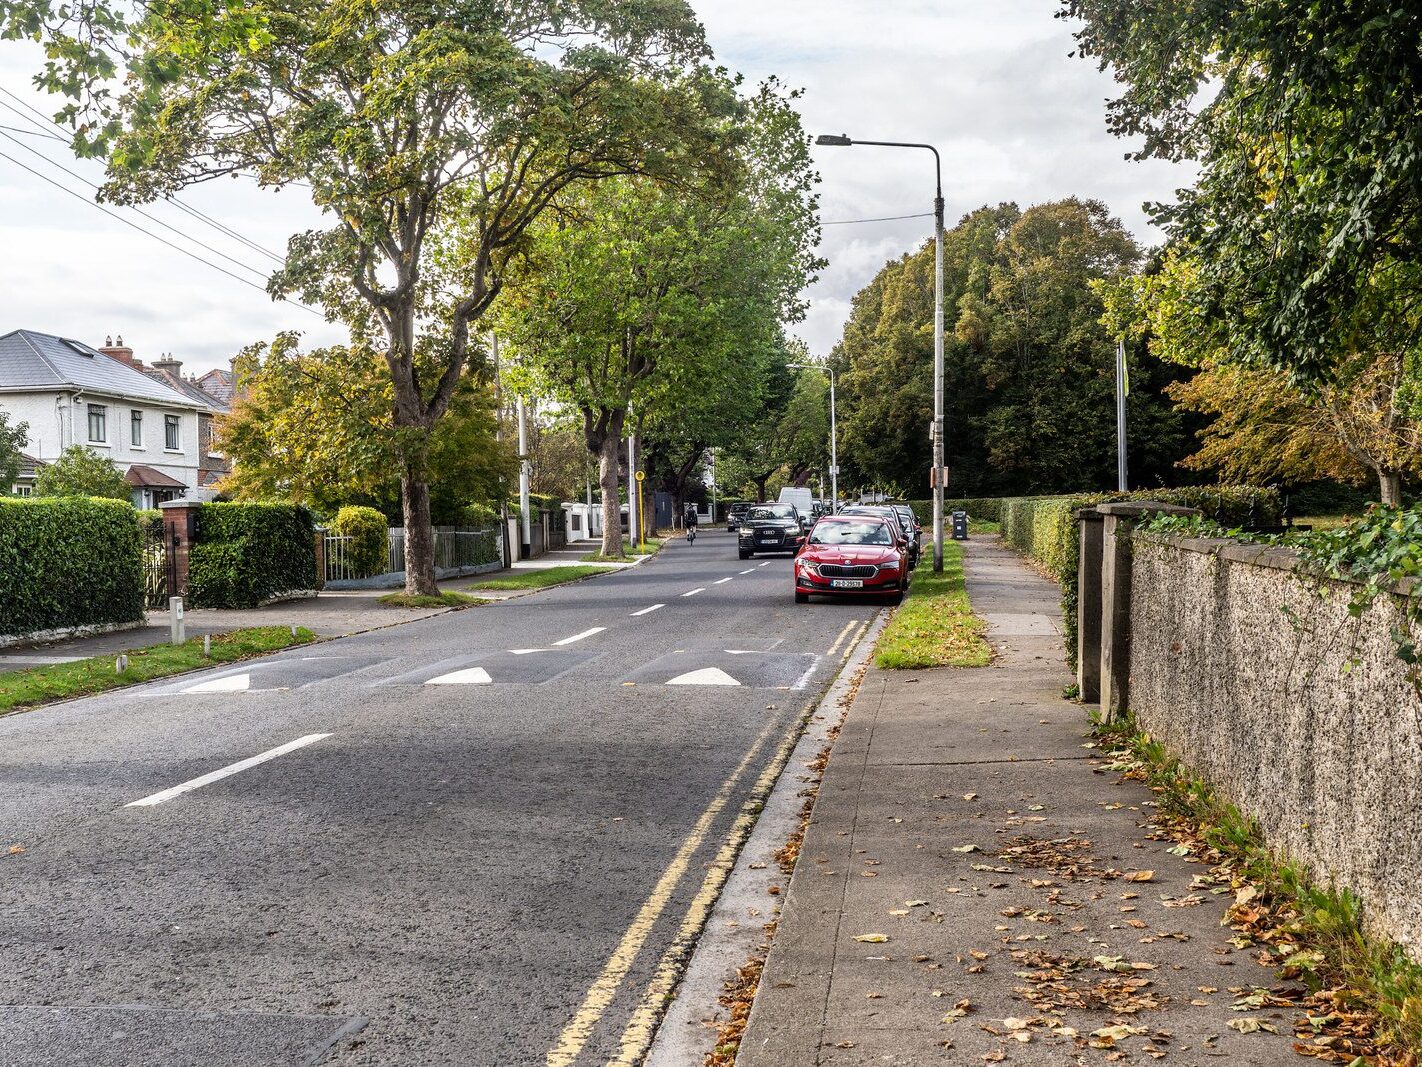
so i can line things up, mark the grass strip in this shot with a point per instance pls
(1360, 995)
(649, 547)
(542, 578)
(425, 600)
(33, 686)
(935, 626)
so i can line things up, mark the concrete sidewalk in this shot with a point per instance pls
(333, 613)
(965, 890)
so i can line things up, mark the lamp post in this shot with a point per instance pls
(841, 141)
(834, 432)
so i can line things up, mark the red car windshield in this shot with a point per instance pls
(850, 533)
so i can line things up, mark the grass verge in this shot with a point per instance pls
(425, 600)
(539, 579)
(1360, 996)
(935, 626)
(41, 685)
(649, 547)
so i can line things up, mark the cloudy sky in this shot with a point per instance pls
(990, 83)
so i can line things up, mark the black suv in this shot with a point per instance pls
(770, 528)
(734, 514)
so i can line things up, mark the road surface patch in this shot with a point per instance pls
(225, 772)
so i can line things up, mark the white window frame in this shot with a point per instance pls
(135, 417)
(102, 411)
(177, 424)
(22, 490)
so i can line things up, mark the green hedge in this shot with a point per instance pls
(246, 554)
(1045, 528)
(368, 550)
(984, 509)
(68, 561)
(479, 517)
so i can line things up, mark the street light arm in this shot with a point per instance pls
(937, 159)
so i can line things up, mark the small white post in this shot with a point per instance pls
(207, 646)
(176, 632)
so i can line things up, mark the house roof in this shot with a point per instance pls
(144, 477)
(221, 384)
(29, 466)
(30, 360)
(189, 388)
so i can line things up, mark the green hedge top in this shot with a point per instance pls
(68, 561)
(246, 554)
(367, 550)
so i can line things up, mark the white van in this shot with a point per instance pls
(804, 501)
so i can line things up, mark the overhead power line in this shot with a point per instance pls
(129, 222)
(890, 218)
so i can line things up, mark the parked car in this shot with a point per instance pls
(910, 523)
(770, 528)
(853, 555)
(886, 511)
(734, 514)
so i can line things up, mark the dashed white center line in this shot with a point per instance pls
(765, 564)
(723, 581)
(226, 772)
(702, 589)
(749, 570)
(579, 637)
(647, 611)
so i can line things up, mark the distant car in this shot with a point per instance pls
(909, 533)
(853, 555)
(770, 528)
(734, 514)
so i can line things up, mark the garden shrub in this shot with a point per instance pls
(68, 561)
(246, 554)
(367, 551)
(479, 517)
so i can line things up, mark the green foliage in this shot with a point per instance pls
(1029, 367)
(449, 599)
(541, 578)
(68, 561)
(12, 440)
(39, 685)
(150, 521)
(1306, 217)
(479, 517)
(1045, 529)
(980, 509)
(367, 551)
(80, 471)
(246, 554)
(935, 626)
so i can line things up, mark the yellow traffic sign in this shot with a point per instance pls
(641, 475)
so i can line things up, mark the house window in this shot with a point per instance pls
(98, 424)
(24, 490)
(170, 433)
(135, 429)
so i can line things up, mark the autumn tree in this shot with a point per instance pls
(318, 428)
(408, 121)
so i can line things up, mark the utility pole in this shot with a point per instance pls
(632, 517)
(525, 470)
(1123, 388)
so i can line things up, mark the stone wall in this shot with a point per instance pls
(1261, 681)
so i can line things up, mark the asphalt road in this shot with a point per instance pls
(432, 867)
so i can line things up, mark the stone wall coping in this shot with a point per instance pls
(165, 504)
(1140, 508)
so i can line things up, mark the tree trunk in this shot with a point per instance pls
(419, 534)
(1390, 484)
(609, 461)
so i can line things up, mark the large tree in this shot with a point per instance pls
(1303, 118)
(413, 123)
(317, 427)
(642, 297)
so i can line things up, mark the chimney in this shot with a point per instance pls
(120, 352)
(169, 365)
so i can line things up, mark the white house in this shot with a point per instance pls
(155, 426)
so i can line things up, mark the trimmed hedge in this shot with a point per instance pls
(368, 550)
(480, 517)
(247, 554)
(1045, 528)
(984, 509)
(69, 561)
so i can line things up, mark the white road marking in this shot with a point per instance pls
(226, 772)
(525, 651)
(579, 637)
(468, 676)
(748, 570)
(702, 589)
(805, 678)
(705, 676)
(230, 683)
(723, 581)
(767, 563)
(647, 611)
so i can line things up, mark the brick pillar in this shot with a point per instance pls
(1119, 522)
(179, 532)
(1088, 606)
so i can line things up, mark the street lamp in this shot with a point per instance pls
(834, 433)
(841, 141)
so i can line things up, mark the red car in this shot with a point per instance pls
(852, 555)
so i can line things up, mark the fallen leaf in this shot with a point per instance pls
(872, 939)
(1139, 876)
(965, 848)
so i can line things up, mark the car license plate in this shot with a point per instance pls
(847, 583)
